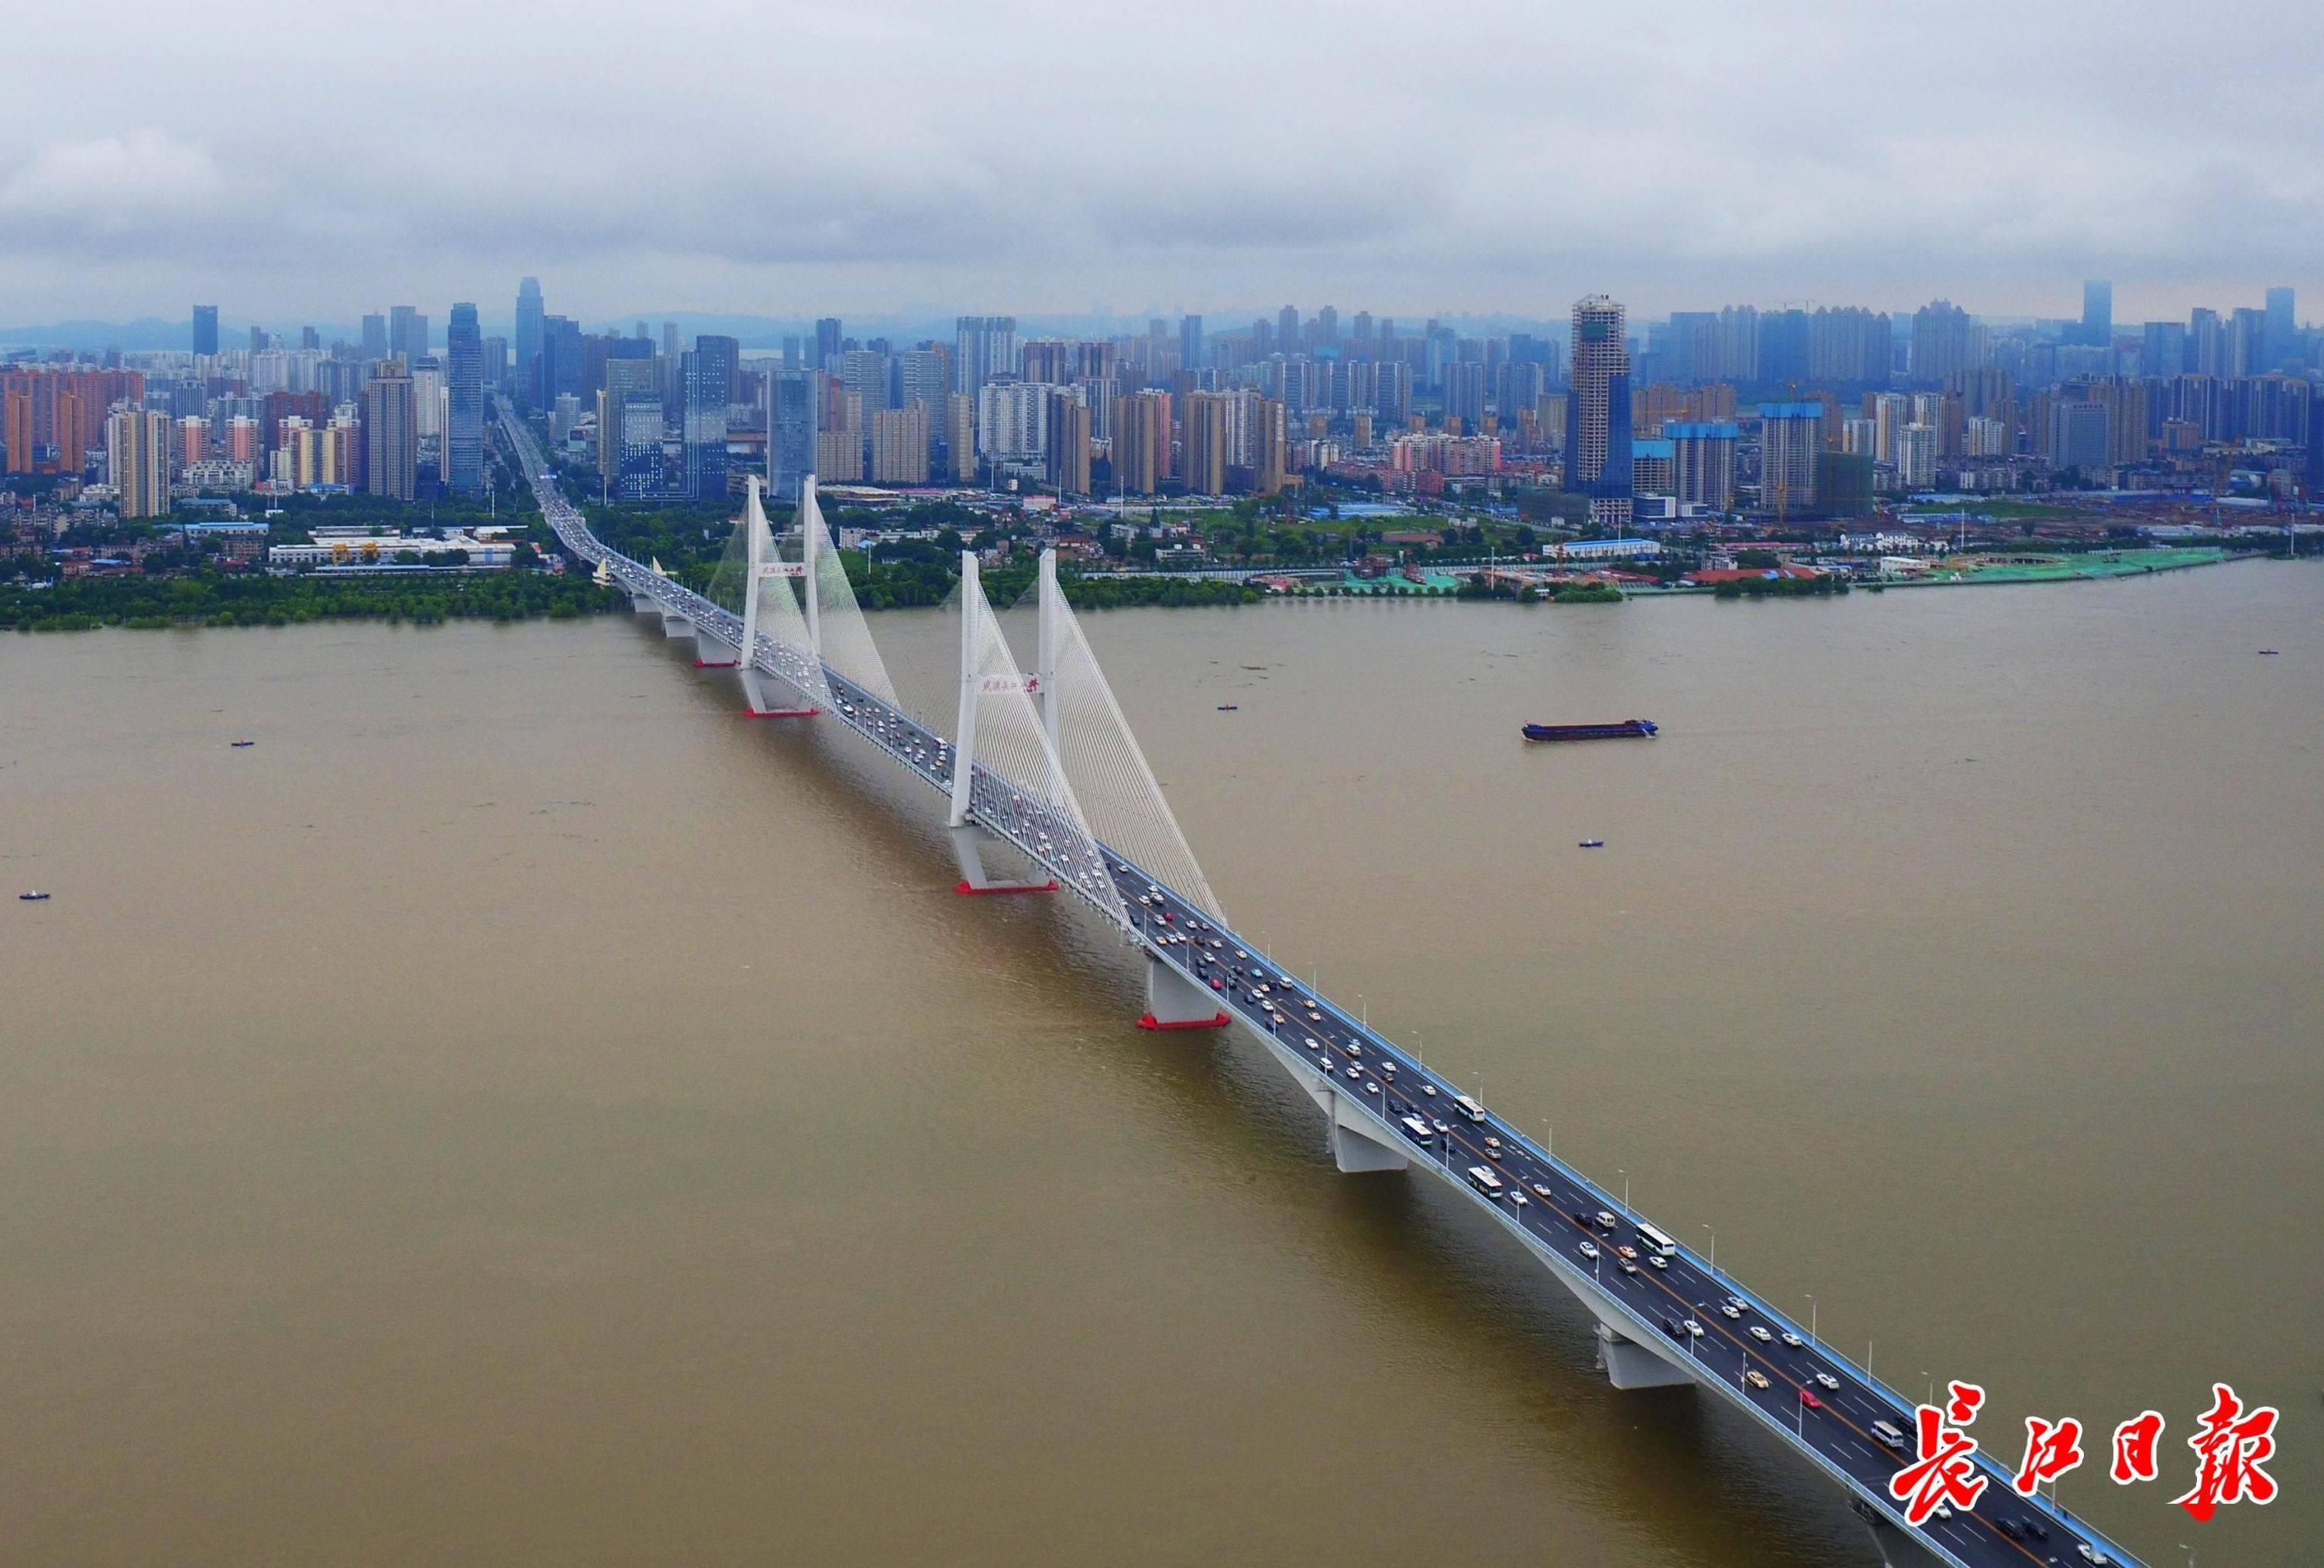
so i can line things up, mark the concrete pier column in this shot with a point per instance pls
(1173, 1001)
(712, 651)
(1358, 1145)
(762, 696)
(968, 842)
(674, 624)
(1628, 1364)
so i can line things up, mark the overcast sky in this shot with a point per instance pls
(303, 162)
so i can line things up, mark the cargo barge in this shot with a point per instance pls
(1628, 730)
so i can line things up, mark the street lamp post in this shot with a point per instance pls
(1811, 1321)
(1713, 1259)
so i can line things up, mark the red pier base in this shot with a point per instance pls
(962, 887)
(781, 712)
(715, 663)
(1150, 1022)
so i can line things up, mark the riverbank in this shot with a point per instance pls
(237, 599)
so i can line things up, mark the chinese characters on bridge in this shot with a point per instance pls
(2232, 1443)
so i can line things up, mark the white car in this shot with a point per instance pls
(1428, 1089)
(1762, 1335)
(1731, 1310)
(1541, 1191)
(1790, 1340)
(1588, 1249)
(1828, 1381)
(1693, 1328)
(1657, 1259)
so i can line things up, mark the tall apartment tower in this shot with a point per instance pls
(527, 347)
(1069, 442)
(375, 337)
(790, 431)
(1598, 413)
(390, 433)
(1267, 447)
(464, 402)
(1206, 442)
(827, 340)
(205, 329)
(137, 454)
(983, 346)
(705, 375)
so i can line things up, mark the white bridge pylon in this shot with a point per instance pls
(1007, 781)
(770, 611)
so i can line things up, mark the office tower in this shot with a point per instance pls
(2077, 434)
(827, 342)
(1790, 437)
(627, 379)
(464, 402)
(1206, 442)
(983, 346)
(137, 460)
(1598, 414)
(257, 338)
(527, 344)
(2282, 344)
(2246, 342)
(793, 358)
(205, 330)
(705, 376)
(725, 361)
(427, 398)
(790, 431)
(1702, 453)
(2162, 348)
(390, 433)
(1190, 343)
(375, 337)
(900, 445)
(407, 333)
(558, 371)
(2098, 311)
(1069, 442)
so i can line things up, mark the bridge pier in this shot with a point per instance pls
(1896, 1549)
(674, 624)
(712, 651)
(968, 842)
(1173, 1001)
(754, 698)
(1357, 1146)
(1628, 1364)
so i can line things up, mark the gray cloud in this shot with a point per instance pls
(1010, 154)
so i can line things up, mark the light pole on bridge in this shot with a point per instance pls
(1713, 1259)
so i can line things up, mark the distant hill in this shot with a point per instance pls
(147, 332)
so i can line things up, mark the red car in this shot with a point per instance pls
(1807, 1398)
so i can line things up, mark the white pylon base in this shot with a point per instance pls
(968, 842)
(1173, 1001)
(756, 705)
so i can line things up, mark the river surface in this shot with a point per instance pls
(518, 1112)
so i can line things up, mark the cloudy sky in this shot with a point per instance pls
(298, 162)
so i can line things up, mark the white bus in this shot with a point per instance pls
(1416, 1130)
(1482, 1178)
(1469, 1108)
(1657, 1242)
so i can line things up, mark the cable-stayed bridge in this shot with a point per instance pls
(1042, 767)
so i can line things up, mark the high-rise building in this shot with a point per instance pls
(1464, 396)
(390, 433)
(900, 444)
(706, 378)
(374, 336)
(559, 371)
(863, 372)
(205, 330)
(1790, 437)
(790, 431)
(1269, 449)
(2283, 330)
(629, 455)
(1703, 453)
(407, 333)
(1190, 343)
(1069, 441)
(137, 459)
(959, 436)
(1598, 414)
(526, 371)
(2097, 312)
(464, 402)
(1207, 440)
(1013, 421)
(1945, 342)
(983, 346)
(827, 342)
(1141, 442)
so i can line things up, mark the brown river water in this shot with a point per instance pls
(518, 1112)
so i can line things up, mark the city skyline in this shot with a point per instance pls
(907, 160)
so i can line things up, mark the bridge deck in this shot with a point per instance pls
(1707, 1317)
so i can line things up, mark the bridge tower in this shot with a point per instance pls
(979, 636)
(760, 566)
